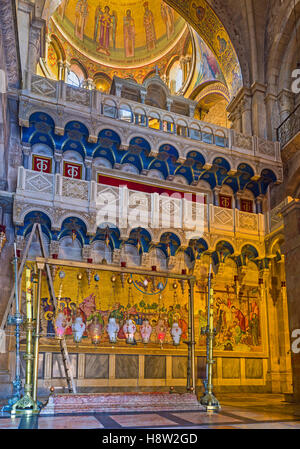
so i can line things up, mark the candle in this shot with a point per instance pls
(211, 309)
(28, 295)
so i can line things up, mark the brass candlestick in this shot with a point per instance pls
(26, 404)
(208, 399)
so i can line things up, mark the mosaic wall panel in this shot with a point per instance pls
(151, 301)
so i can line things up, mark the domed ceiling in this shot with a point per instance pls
(120, 33)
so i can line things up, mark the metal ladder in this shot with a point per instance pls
(63, 346)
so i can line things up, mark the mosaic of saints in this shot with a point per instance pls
(81, 13)
(129, 34)
(167, 14)
(149, 28)
(105, 26)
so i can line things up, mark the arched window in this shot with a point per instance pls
(35, 247)
(42, 158)
(69, 249)
(110, 108)
(132, 255)
(195, 132)
(73, 79)
(175, 77)
(154, 120)
(158, 259)
(226, 198)
(73, 165)
(76, 75)
(247, 201)
(101, 251)
(125, 113)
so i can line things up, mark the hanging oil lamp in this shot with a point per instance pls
(89, 273)
(95, 330)
(97, 299)
(175, 286)
(123, 275)
(78, 328)
(130, 281)
(182, 281)
(161, 332)
(54, 268)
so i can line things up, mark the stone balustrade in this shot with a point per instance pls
(190, 217)
(130, 118)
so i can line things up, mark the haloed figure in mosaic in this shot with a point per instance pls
(129, 34)
(149, 27)
(81, 13)
(103, 23)
(167, 14)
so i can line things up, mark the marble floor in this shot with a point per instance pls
(248, 411)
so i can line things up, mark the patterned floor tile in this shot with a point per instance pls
(9, 423)
(260, 415)
(204, 418)
(142, 420)
(69, 422)
(270, 425)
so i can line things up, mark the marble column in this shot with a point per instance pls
(88, 168)
(246, 116)
(216, 192)
(26, 155)
(237, 198)
(258, 204)
(286, 104)
(57, 159)
(259, 117)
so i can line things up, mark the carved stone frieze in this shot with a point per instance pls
(248, 221)
(9, 42)
(43, 86)
(78, 96)
(266, 147)
(242, 141)
(72, 188)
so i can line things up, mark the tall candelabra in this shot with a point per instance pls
(16, 320)
(208, 400)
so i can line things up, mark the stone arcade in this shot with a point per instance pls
(151, 141)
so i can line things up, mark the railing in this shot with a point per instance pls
(126, 208)
(142, 115)
(274, 219)
(289, 127)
